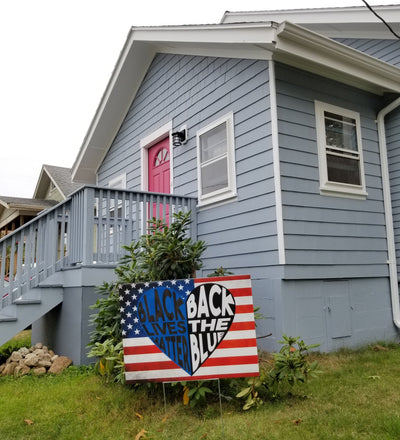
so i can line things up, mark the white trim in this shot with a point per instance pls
(276, 163)
(394, 282)
(332, 188)
(230, 191)
(118, 182)
(147, 142)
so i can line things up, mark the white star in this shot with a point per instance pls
(187, 292)
(133, 285)
(121, 298)
(127, 292)
(128, 315)
(173, 282)
(123, 332)
(140, 290)
(121, 309)
(136, 320)
(119, 286)
(128, 303)
(135, 309)
(180, 287)
(137, 332)
(187, 281)
(122, 321)
(160, 283)
(134, 297)
(146, 284)
(130, 326)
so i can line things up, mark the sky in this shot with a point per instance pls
(56, 59)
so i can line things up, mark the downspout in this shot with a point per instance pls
(394, 285)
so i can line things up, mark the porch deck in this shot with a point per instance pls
(88, 229)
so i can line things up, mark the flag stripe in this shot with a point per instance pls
(237, 343)
(132, 356)
(242, 326)
(152, 348)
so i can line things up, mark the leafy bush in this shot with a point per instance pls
(165, 252)
(111, 360)
(288, 369)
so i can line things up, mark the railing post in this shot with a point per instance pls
(193, 215)
(88, 226)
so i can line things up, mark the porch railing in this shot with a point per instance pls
(88, 228)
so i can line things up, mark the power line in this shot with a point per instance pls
(382, 19)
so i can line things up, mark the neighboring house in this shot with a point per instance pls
(16, 211)
(291, 127)
(55, 183)
(53, 186)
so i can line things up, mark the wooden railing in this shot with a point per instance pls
(88, 228)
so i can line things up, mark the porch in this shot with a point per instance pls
(83, 234)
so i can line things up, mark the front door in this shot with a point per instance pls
(159, 175)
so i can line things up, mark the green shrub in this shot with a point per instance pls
(165, 252)
(288, 369)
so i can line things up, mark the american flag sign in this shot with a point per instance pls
(192, 329)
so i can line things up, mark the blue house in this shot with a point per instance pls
(279, 130)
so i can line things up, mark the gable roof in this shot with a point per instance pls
(285, 42)
(61, 178)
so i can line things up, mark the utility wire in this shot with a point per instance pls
(382, 20)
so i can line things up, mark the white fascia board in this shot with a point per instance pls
(253, 33)
(250, 40)
(348, 22)
(357, 14)
(310, 51)
(39, 182)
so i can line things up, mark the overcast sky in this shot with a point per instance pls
(56, 59)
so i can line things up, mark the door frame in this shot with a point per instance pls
(146, 143)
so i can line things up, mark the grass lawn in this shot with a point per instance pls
(357, 396)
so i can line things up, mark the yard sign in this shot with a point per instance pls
(188, 329)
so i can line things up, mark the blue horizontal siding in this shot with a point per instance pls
(325, 236)
(387, 50)
(191, 90)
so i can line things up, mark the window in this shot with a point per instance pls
(216, 161)
(341, 169)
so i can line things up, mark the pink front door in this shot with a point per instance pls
(159, 174)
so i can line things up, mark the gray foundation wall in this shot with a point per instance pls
(66, 328)
(333, 313)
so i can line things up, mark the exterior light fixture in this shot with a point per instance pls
(179, 137)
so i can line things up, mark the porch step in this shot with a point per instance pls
(32, 297)
(27, 309)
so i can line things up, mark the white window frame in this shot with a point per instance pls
(332, 188)
(229, 191)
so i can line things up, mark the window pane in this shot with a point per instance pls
(213, 143)
(340, 132)
(214, 176)
(343, 170)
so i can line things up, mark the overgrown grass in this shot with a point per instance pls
(356, 397)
